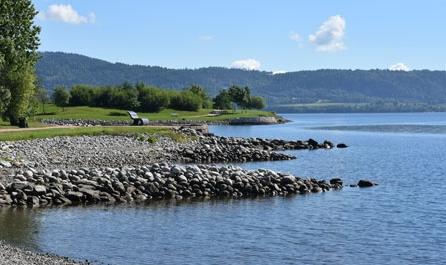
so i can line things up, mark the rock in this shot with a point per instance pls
(20, 177)
(19, 185)
(336, 181)
(363, 183)
(313, 143)
(40, 190)
(341, 145)
(288, 180)
(90, 195)
(74, 196)
(181, 178)
(28, 174)
(328, 144)
(33, 201)
(316, 189)
(6, 164)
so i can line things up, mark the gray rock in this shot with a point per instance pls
(6, 164)
(40, 189)
(74, 196)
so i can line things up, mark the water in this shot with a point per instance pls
(401, 221)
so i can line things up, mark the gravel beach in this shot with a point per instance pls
(10, 255)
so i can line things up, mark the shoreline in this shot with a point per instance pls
(11, 254)
(267, 120)
(92, 169)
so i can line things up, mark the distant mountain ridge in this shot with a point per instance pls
(346, 86)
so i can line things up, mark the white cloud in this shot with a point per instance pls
(66, 14)
(399, 67)
(330, 36)
(246, 64)
(295, 37)
(206, 37)
(279, 72)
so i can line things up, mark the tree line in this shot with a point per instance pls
(153, 99)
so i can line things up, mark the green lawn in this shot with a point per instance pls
(54, 112)
(92, 131)
(90, 113)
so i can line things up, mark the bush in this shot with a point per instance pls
(186, 100)
(223, 100)
(256, 102)
(153, 99)
(140, 97)
(81, 95)
(115, 97)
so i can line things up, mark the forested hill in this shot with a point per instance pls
(344, 86)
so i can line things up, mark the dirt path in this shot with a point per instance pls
(32, 129)
(71, 126)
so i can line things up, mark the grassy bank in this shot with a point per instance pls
(90, 131)
(53, 112)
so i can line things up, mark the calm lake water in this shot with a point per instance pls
(401, 221)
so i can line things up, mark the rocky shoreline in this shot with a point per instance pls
(11, 255)
(133, 150)
(92, 169)
(157, 181)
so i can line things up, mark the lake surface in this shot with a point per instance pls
(401, 221)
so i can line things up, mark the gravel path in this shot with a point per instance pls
(10, 255)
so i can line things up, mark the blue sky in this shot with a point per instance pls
(281, 35)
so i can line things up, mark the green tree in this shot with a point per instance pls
(201, 93)
(42, 97)
(222, 100)
(257, 103)
(185, 100)
(19, 40)
(61, 97)
(153, 99)
(240, 96)
(81, 95)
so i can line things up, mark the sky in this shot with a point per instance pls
(277, 36)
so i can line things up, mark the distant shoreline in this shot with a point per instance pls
(371, 107)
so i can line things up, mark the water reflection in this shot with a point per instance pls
(19, 226)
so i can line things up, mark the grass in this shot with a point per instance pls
(53, 112)
(90, 113)
(92, 131)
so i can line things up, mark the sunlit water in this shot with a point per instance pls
(401, 221)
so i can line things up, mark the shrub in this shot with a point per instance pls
(81, 95)
(153, 99)
(186, 100)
